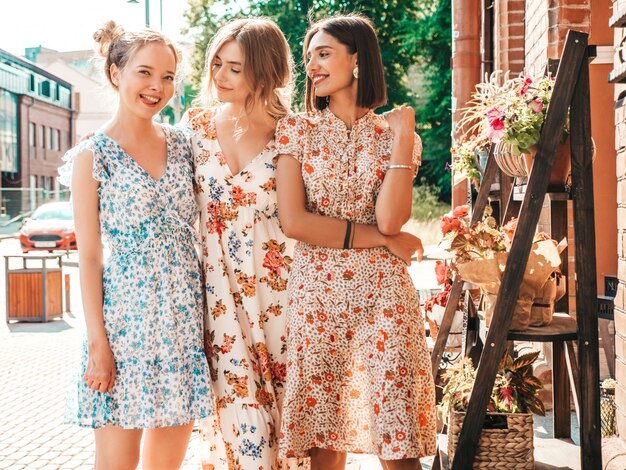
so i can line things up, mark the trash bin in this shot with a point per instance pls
(34, 292)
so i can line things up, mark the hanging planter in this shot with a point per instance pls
(510, 160)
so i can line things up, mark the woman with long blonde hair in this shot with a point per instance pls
(246, 256)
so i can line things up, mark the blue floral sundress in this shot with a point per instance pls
(153, 300)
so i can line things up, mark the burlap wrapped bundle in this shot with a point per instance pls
(543, 306)
(487, 274)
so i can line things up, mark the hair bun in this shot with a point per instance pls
(106, 36)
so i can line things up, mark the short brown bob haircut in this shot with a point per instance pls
(357, 33)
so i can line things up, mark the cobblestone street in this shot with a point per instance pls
(37, 361)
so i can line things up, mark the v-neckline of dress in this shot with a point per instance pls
(250, 162)
(247, 165)
(136, 163)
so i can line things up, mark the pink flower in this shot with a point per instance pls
(536, 106)
(441, 271)
(496, 118)
(495, 135)
(461, 211)
(496, 124)
(525, 86)
(449, 224)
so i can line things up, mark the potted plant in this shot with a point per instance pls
(480, 255)
(491, 95)
(507, 437)
(515, 123)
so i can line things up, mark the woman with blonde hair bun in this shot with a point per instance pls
(143, 366)
(246, 256)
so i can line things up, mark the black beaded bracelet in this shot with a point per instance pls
(347, 237)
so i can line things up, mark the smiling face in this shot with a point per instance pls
(146, 83)
(228, 75)
(329, 66)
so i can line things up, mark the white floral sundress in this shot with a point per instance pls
(246, 261)
(152, 301)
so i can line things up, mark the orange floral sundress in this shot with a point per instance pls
(358, 370)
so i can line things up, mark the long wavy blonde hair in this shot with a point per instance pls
(267, 64)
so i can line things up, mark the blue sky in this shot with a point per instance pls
(67, 25)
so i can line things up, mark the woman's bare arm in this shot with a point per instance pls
(100, 373)
(302, 225)
(395, 198)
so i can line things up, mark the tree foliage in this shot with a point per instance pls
(409, 33)
(431, 44)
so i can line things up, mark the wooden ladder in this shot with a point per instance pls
(571, 91)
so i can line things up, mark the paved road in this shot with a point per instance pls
(36, 363)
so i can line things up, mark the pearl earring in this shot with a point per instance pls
(355, 72)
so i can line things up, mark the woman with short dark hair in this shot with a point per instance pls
(358, 370)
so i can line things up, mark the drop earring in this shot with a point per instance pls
(355, 72)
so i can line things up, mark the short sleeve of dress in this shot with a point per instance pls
(180, 141)
(290, 136)
(99, 171)
(184, 125)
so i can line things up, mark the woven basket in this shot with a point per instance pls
(511, 163)
(502, 449)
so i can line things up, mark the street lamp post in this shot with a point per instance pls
(148, 12)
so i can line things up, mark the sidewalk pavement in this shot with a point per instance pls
(37, 361)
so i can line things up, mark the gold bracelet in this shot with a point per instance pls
(401, 167)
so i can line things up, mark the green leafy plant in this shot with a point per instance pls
(465, 159)
(514, 391)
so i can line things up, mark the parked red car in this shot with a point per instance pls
(50, 227)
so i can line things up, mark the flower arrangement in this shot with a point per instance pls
(519, 115)
(480, 241)
(514, 391)
(480, 255)
(491, 93)
(444, 279)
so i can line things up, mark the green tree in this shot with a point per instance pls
(429, 40)
(293, 17)
(409, 33)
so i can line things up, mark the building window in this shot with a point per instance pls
(8, 132)
(32, 83)
(41, 137)
(31, 134)
(45, 88)
(53, 139)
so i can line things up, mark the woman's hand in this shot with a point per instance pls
(100, 374)
(401, 121)
(403, 245)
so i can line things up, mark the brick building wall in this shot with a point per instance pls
(620, 299)
(509, 33)
(536, 36)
